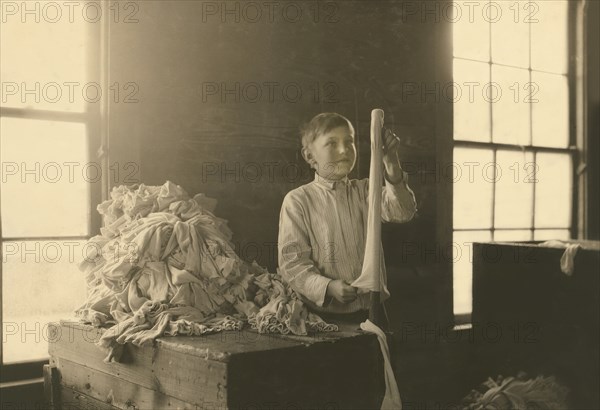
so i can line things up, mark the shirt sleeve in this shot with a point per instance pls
(294, 254)
(398, 202)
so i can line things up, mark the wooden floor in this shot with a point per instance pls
(237, 370)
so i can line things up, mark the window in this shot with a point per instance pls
(513, 144)
(51, 178)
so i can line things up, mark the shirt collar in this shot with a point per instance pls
(330, 183)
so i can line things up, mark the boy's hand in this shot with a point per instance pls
(391, 145)
(391, 142)
(341, 291)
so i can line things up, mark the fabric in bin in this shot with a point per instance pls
(164, 265)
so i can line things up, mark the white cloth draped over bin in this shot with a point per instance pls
(372, 277)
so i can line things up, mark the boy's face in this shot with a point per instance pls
(332, 154)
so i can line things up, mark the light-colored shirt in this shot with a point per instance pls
(322, 235)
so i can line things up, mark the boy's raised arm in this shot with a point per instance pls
(294, 253)
(398, 202)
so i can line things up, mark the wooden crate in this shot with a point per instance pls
(529, 315)
(229, 370)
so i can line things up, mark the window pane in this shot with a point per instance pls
(510, 32)
(43, 62)
(471, 33)
(549, 234)
(550, 110)
(553, 190)
(463, 268)
(471, 110)
(473, 187)
(514, 189)
(510, 109)
(550, 28)
(512, 235)
(40, 283)
(45, 178)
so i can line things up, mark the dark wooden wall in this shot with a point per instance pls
(363, 55)
(348, 57)
(359, 55)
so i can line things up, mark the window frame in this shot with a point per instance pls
(576, 24)
(95, 119)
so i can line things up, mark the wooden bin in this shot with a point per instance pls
(529, 315)
(229, 370)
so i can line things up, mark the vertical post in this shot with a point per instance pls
(51, 386)
(375, 311)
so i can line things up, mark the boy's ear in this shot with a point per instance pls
(307, 155)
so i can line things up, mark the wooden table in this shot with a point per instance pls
(228, 370)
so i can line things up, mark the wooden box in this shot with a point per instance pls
(229, 370)
(529, 315)
(521, 282)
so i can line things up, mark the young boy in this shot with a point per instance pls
(322, 225)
